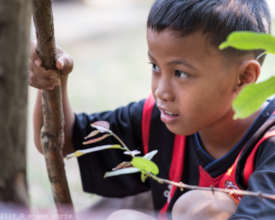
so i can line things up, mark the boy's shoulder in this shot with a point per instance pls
(260, 141)
(262, 126)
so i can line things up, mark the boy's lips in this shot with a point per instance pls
(167, 116)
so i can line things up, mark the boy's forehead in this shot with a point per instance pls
(169, 42)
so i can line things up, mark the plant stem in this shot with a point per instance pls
(120, 141)
(183, 186)
(213, 189)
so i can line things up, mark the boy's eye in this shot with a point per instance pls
(155, 68)
(180, 74)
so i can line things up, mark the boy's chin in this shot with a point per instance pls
(180, 130)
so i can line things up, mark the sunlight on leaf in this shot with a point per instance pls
(245, 40)
(75, 154)
(133, 153)
(121, 172)
(145, 165)
(150, 155)
(252, 97)
(80, 153)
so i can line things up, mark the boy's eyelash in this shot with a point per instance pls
(179, 71)
(176, 71)
(152, 64)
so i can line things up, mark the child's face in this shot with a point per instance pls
(192, 82)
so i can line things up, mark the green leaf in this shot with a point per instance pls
(252, 97)
(143, 177)
(145, 165)
(123, 171)
(245, 40)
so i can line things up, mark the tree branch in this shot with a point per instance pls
(52, 134)
(180, 185)
(213, 189)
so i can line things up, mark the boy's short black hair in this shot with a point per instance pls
(216, 18)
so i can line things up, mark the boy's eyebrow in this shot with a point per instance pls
(150, 56)
(175, 62)
(181, 62)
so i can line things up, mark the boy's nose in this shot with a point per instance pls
(163, 91)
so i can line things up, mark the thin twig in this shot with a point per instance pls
(182, 185)
(120, 141)
(103, 130)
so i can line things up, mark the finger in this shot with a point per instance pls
(49, 88)
(59, 58)
(42, 83)
(35, 59)
(41, 72)
(37, 62)
(65, 64)
(60, 63)
(68, 64)
(64, 61)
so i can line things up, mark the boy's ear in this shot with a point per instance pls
(249, 72)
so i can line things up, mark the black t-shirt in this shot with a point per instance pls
(126, 123)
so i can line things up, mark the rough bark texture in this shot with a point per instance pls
(52, 135)
(14, 44)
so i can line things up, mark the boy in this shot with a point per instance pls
(189, 120)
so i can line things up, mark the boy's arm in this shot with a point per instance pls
(126, 123)
(48, 79)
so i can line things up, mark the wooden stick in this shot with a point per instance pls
(52, 134)
(240, 192)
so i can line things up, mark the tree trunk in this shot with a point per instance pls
(14, 49)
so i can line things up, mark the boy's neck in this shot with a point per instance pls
(221, 137)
